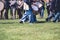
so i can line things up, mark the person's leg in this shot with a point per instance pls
(59, 19)
(24, 17)
(56, 17)
(51, 15)
(41, 12)
(48, 11)
(1, 14)
(19, 13)
(28, 14)
(32, 17)
(6, 13)
(13, 13)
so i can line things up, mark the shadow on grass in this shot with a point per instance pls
(7, 22)
(41, 22)
(17, 22)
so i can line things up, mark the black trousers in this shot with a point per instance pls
(48, 10)
(6, 13)
(19, 12)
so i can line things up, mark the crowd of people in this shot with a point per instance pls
(53, 9)
(30, 9)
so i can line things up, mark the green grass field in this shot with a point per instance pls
(13, 30)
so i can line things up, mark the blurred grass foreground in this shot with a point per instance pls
(13, 30)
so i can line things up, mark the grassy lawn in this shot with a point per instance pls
(13, 30)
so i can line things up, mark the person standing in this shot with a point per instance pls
(6, 8)
(51, 11)
(13, 9)
(48, 4)
(41, 9)
(19, 8)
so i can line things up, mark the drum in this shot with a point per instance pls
(39, 4)
(35, 8)
(1, 6)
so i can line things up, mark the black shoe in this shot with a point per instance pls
(21, 22)
(47, 20)
(54, 21)
(58, 20)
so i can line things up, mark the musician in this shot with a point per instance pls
(28, 13)
(19, 8)
(55, 8)
(13, 9)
